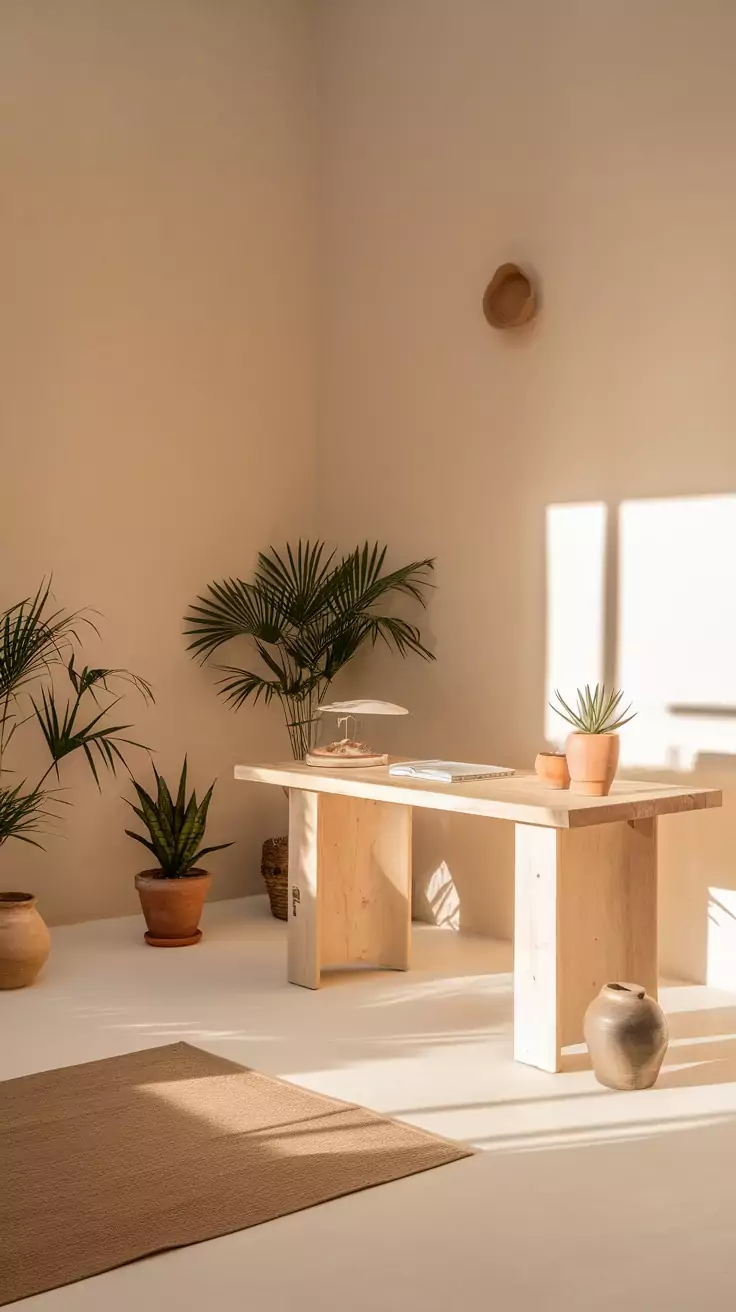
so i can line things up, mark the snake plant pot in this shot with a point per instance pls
(627, 1036)
(552, 771)
(25, 942)
(592, 759)
(172, 907)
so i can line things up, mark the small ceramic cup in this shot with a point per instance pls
(552, 769)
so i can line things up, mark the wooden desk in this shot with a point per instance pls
(586, 883)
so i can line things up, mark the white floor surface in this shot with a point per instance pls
(578, 1197)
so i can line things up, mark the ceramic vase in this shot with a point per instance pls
(592, 759)
(172, 907)
(25, 941)
(627, 1036)
(552, 769)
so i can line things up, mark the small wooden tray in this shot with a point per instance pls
(346, 762)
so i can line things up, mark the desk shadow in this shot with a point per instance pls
(707, 1063)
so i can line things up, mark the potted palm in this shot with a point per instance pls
(592, 749)
(307, 612)
(37, 642)
(173, 895)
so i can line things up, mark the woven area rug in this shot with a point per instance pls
(118, 1159)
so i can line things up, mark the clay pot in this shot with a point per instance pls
(172, 907)
(552, 769)
(509, 299)
(627, 1036)
(592, 759)
(25, 941)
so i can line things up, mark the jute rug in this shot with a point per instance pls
(111, 1161)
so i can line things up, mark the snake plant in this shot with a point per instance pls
(175, 829)
(598, 711)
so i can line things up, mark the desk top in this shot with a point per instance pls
(520, 797)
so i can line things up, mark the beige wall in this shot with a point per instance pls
(161, 374)
(593, 143)
(157, 404)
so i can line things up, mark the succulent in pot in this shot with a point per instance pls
(173, 895)
(592, 749)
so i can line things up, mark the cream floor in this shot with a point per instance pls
(578, 1198)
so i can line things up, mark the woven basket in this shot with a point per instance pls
(275, 871)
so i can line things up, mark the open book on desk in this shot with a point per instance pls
(447, 772)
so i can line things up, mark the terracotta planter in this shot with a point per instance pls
(172, 907)
(592, 759)
(552, 769)
(25, 942)
(627, 1036)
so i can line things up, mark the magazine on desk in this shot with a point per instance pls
(447, 772)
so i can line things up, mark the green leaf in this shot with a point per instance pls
(25, 813)
(33, 638)
(205, 851)
(308, 614)
(131, 834)
(181, 799)
(176, 830)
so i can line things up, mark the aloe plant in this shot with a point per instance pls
(175, 829)
(597, 711)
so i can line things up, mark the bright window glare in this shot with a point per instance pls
(576, 546)
(677, 628)
(721, 937)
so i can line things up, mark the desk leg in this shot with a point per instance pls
(586, 914)
(349, 884)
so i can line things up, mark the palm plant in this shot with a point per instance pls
(35, 638)
(597, 712)
(175, 829)
(308, 613)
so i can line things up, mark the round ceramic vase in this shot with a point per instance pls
(593, 761)
(627, 1036)
(25, 942)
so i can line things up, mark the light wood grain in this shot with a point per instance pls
(607, 915)
(304, 909)
(349, 884)
(520, 798)
(536, 974)
(586, 915)
(365, 882)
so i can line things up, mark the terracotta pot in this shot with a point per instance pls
(25, 941)
(627, 1036)
(592, 759)
(172, 907)
(552, 769)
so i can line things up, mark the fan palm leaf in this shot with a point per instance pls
(33, 638)
(23, 814)
(308, 615)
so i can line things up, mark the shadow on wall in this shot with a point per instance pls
(639, 594)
